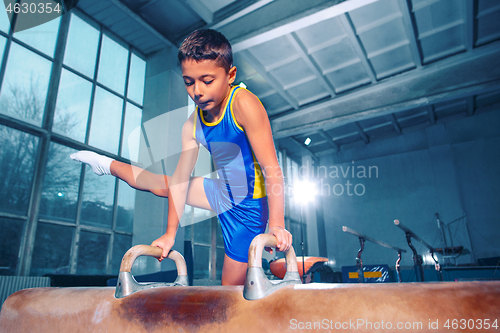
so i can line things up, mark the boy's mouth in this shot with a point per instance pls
(201, 105)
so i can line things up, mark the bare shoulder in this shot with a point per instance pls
(247, 107)
(244, 98)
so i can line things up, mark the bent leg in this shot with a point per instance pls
(196, 195)
(233, 272)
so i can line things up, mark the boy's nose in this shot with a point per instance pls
(197, 91)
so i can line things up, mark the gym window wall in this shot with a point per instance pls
(65, 85)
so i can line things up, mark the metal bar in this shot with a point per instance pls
(417, 260)
(412, 234)
(359, 262)
(355, 233)
(398, 267)
(303, 277)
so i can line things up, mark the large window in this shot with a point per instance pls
(56, 215)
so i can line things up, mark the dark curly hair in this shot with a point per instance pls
(206, 44)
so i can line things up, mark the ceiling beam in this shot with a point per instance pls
(272, 29)
(329, 140)
(470, 105)
(339, 120)
(469, 24)
(469, 73)
(431, 113)
(303, 148)
(120, 5)
(240, 13)
(349, 29)
(269, 78)
(302, 50)
(362, 133)
(411, 32)
(201, 10)
(395, 123)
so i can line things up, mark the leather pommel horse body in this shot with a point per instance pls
(259, 306)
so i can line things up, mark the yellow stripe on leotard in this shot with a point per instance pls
(259, 188)
(195, 119)
(232, 112)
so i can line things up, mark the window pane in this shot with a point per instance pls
(106, 121)
(72, 107)
(220, 261)
(17, 163)
(201, 262)
(202, 232)
(52, 249)
(24, 88)
(131, 138)
(81, 46)
(121, 244)
(220, 239)
(92, 253)
(60, 185)
(4, 21)
(10, 240)
(126, 204)
(136, 79)
(2, 44)
(42, 37)
(112, 65)
(97, 205)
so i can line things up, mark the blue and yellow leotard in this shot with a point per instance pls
(238, 196)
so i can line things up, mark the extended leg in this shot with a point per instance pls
(159, 184)
(141, 179)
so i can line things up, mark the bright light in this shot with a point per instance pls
(427, 259)
(304, 191)
(243, 85)
(308, 141)
(60, 194)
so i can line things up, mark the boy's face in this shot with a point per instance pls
(207, 83)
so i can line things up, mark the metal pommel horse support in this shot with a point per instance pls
(417, 258)
(359, 262)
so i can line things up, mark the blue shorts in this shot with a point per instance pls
(241, 220)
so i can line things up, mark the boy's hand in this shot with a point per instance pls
(165, 242)
(100, 164)
(283, 239)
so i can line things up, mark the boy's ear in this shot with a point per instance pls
(232, 74)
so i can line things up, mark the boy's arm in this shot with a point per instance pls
(252, 116)
(178, 188)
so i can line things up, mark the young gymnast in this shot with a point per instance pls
(233, 125)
